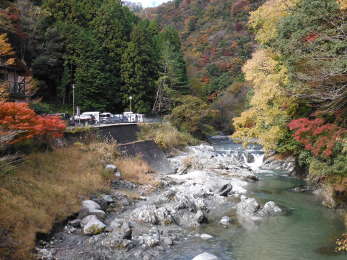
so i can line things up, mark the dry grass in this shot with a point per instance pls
(136, 170)
(46, 189)
(166, 136)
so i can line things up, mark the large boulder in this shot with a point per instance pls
(247, 207)
(92, 225)
(274, 163)
(225, 190)
(200, 217)
(205, 256)
(145, 214)
(270, 209)
(90, 207)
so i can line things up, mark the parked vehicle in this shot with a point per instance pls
(106, 118)
(88, 118)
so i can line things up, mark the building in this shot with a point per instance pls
(14, 78)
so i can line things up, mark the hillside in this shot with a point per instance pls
(215, 39)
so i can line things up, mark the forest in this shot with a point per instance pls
(101, 47)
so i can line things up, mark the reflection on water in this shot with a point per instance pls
(307, 232)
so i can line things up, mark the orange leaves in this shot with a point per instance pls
(19, 118)
(5, 48)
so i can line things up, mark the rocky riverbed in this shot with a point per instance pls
(206, 187)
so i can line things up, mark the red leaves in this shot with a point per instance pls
(19, 118)
(311, 37)
(316, 136)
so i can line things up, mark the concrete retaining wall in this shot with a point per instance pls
(150, 152)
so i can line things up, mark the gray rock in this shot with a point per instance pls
(45, 254)
(92, 225)
(200, 217)
(225, 220)
(150, 241)
(225, 190)
(205, 256)
(184, 202)
(76, 223)
(111, 167)
(116, 223)
(90, 204)
(126, 231)
(145, 214)
(107, 198)
(270, 209)
(89, 211)
(206, 236)
(247, 207)
(182, 170)
(167, 241)
(164, 216)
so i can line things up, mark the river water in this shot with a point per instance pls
(307, 230)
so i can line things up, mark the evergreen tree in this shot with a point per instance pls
(139, 70)
(173, 62)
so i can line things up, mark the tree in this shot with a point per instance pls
(6, 52)
(271, 107)
(18, 120)
(139, 70)
(194, 116)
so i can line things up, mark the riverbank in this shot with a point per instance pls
(206, 188)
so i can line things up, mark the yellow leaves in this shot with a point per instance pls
(5, 47)
(265, 19)
(343, 4)
(271, 107)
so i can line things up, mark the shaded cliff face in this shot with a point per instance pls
(215, 38)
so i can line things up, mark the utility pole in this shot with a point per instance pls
(73, 102)
(130, 98)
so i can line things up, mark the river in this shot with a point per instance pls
(307, 230)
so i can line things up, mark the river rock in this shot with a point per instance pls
(225, 220)
(126, 231)
(184, 202)
(247, 207)
(90, 204)
(164, 216)
(205, 256)
(206, 236)
(145, 214)
(149, 240)
(270, 209)
(76, 223)
(274, 163)
(111, 168)
(92, 225)
(225, 190)
(200, 217)
(90, 207)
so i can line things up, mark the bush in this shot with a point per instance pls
(165, 135)
(193, 116)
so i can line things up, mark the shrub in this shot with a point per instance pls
(317, 136)
(165, 135)
(193, 116)
(19, 118)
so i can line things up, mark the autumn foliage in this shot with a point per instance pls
(18, 118)
(318, 137)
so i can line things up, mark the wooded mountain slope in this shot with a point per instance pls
(215, 39)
